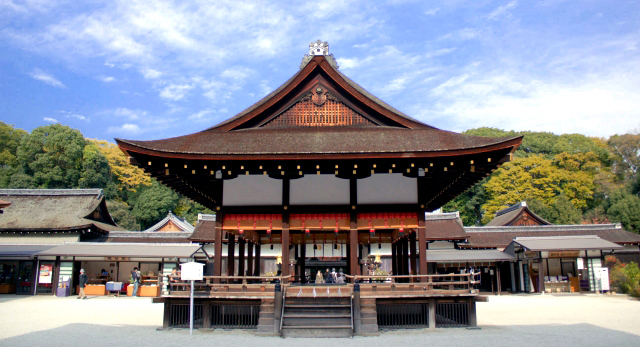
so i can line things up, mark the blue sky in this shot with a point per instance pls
(149, 70)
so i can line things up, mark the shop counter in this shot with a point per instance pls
(93, 289)
(150, 291)
(7, 288)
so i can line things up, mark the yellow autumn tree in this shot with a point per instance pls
(129, 177)
(543, 180)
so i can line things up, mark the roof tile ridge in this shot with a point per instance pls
(53, 192)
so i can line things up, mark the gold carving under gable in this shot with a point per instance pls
(318, 108)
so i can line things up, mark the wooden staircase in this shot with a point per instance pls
(317, 317)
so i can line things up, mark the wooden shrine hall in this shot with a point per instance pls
(322, 161)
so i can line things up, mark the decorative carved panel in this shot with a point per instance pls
(318, 109)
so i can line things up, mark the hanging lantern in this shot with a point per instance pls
(270, 225)
(401, 230)
(337, 230)
(307, 232)
(372, 231)
(240, 231)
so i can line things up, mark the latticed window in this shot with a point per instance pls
(317, 110)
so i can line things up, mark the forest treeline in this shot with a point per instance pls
(57, 156)
(566, 179)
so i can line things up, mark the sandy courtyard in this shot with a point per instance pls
(518, 320)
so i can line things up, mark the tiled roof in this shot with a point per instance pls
(510, 214)
(321, 140)
(444, 226)
(205, 229)
(55, 209)
(179, 222)
(146, 237)
(500, 237)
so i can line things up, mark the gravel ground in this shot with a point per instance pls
(548, 320)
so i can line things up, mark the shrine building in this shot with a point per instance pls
(320, 165)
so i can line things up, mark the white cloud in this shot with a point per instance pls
(237, 73)
(46, 78)
(50, 120)
(128, 113)
(68, 114)
(107, 79)
(201, 115)
(175, 92)
(432, 11)
(151, 73)
(502, 10)
(511, 102)
(128, 128)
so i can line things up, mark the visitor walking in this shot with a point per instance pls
(83, 283)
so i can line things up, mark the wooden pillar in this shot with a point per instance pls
(353, 240)
(55, 275)
(348, 269)
(301, 259)
(541, 275)
(296, 269)
(353, 246)
(412, 251)
(432, 314)
(394, 262)
(217, 255)
(422, 246)
(241, 243)
(285, 247)
(231, 250)
(257, 268)
(405, 257)
(359, 268)
(398, 262)
(250, 259)
(498, 278)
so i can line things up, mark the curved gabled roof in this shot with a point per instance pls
(510, 215)
(390, 131)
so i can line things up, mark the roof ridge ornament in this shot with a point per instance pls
(318, 47)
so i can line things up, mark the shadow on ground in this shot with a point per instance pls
(140, 336)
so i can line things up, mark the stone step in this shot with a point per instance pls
(329, 331)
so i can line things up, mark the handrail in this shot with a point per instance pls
(284, 298)
(352, 329)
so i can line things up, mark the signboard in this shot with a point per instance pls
(46, 273)
(191, 271)
(564, 254)
(531, 254)
(603, 275)
(580, 263)
(116, 258)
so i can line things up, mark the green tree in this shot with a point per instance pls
(53, 156)
(95, 168)
(624, 208)
(130, 178)
(188, 209)
(469, 204)
(564, 212)
(626, 149)
(534, 177)
(121, 214)
(10, 138)
(153, 203)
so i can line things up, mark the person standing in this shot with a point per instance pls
(135, 275)
(83, 283)
(319, 277)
